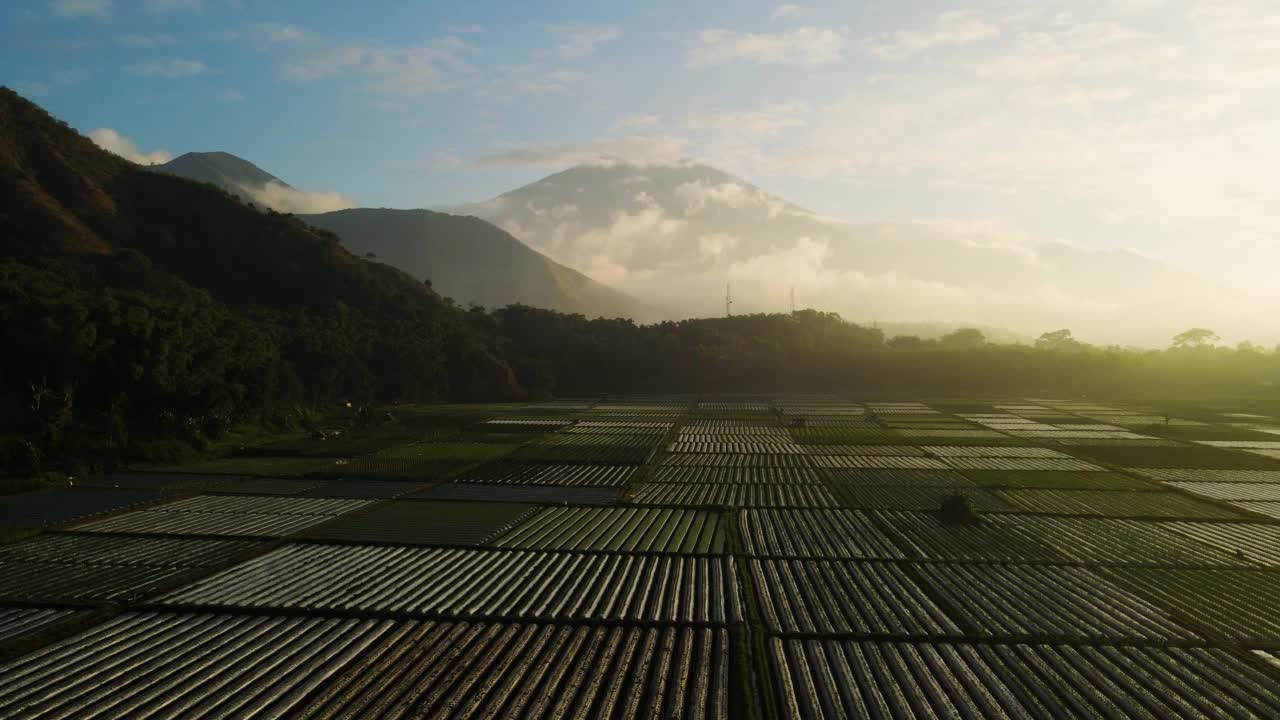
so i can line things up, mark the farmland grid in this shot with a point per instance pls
(693, 557)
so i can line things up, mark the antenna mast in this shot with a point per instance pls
(793, 299)
(728, 302)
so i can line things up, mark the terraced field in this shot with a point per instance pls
(677, 557)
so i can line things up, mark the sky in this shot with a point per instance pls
(1143, 124)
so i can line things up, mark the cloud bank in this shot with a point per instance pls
(286, 199)
(114, 142)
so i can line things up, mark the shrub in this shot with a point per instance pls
(959, 509)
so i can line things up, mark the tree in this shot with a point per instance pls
(907, 342)
(964, 339)
(959, 509)
(1057, 340)
(1195, 338)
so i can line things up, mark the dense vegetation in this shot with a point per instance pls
(141, 313)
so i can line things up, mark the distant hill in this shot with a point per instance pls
(225, 170)
(467, 259)
(472, 261)
(681, 232)
(62, 194)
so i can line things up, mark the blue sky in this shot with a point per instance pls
(1146, 124)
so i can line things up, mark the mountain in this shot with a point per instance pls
(683, 232)
(225, 170)
(128, 286)
(465, 258)
(472, 261)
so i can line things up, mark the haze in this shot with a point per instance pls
(1103, 166)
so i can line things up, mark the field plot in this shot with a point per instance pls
(1042, 602)
(886, 450)
(422, 522)
(56, 506)
(528, 425)
(829, 597)
(199, 666)
(18, 622)
(1233, 604)
(1110, 541)
(74, 549)
(871, 497)
(847, 436)
(1199, 457)
(466, 583)
(92, 569)
(1115, 503)
(900, 478)
(733, 495)
(602, 449)
(956, 437)
(1270, 509)
(159, 481)
(509, 473)
(1245, 541)
(1203, 475)
(736, 476)
(739, 461)
(1026, 464)
(464, 670)
(992, 451)
(372, 489)
(814, 533)
(878, 462)
(1057, 480)
(422, 461)
(707, 429)
(272, 466)
(725, 445)
(268, 486)
(619, 529)
(922, 535)
(1232, 491)
(852, 678)
(262, 505)
(230, 515)
(545, 494)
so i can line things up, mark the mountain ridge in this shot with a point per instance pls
(467, 259)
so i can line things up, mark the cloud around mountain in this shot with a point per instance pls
(681, 232)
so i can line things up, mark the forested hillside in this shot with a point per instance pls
(143, 313)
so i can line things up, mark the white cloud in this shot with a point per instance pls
(167, 6)
(447, 160)
(784, 11)
(72, 9)
(282, 198)
(230, 95)
(638, 122)
(767, 121)
(698, 195)
(114, 142)
(175, 68)
(137, 40)
(801, 46)
(554, 82)
(635, 150)
(949, 29)
(390, 71)
(577, 41)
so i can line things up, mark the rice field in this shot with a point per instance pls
(859, 678)
(465, 583)
(626, 529)
(748, 556)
